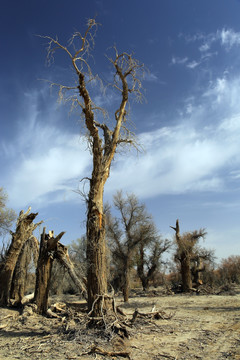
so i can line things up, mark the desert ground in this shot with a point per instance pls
(188, 327)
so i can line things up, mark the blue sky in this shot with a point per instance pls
(188, 127)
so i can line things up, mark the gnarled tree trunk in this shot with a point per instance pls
(184, 257)
(197, 270)
(96, 250)
(48, 246)
(19, 282)
(186, 273)
(24, 230)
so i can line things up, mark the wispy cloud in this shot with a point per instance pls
(46, 162)
(193, 64)
(43, 162)
(226, 38)
(151, 77)
(194, 156)
(177, 60)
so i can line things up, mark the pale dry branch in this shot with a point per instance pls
(97, 350)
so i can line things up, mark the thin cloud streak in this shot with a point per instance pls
(193, 156)
(43, 162)
(46, 163)
(226, 38)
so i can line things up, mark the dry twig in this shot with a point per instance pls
(97, 350)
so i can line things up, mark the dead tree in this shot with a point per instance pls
(48, 246)
(28, 253)
(133, 228)
(201, 260)
(62, 256)
(185, 252)
(149, 259)
(51, 249)
(103, 142)
(24, 230)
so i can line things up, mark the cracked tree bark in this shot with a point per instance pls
(48, 246)
(24, 230)
(51, 249)
(29, 251)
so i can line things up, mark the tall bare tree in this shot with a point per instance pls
(186, 252)
(103, 142)
(134, 228)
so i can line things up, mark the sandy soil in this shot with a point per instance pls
(199, 327)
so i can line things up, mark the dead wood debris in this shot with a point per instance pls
(97, 350)
(156, 315)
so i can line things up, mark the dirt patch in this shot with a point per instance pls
(201, 327)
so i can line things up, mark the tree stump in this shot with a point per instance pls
(24, 230)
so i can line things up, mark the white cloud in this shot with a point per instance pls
(193, 64)
(229, 38)
(193, 156)
(152, 78)
(43, 162)
(55, 166)
(224, 93)
(204, 47)
(46, 162)
(177, 60)
(176, 160)
(226, 38)
(189, 108)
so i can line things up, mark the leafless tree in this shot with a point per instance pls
(201, 261)
(77, 253)
(103, 142)
(134, 228)
(149, 255)
(229, 270)
(186, 251)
